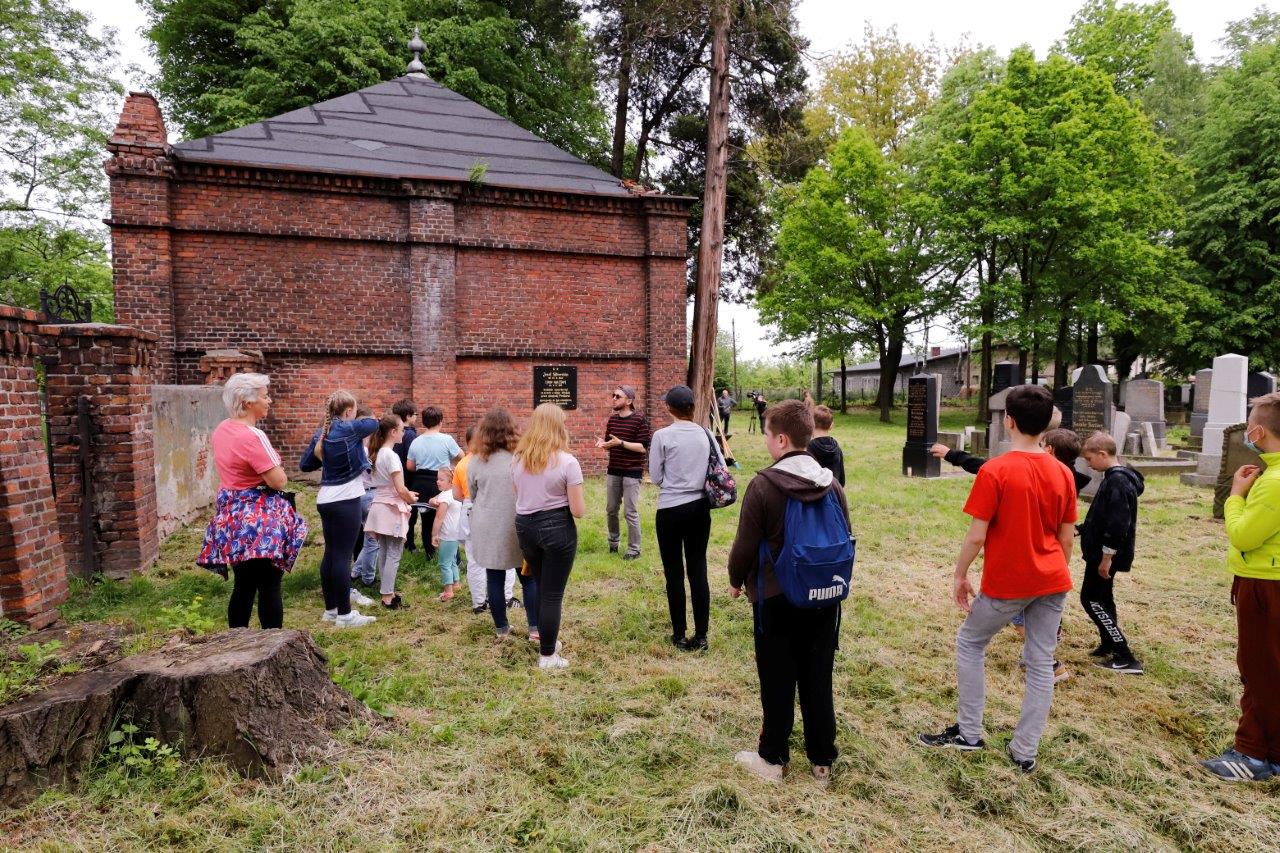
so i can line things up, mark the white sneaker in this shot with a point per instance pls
(552, 662)
(354, 619)
(329, 615)
(754, 764)
(359, 599)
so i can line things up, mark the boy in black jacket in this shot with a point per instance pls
(1106, 542)
(823, 447)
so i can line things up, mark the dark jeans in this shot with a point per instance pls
(427, 487)
(683, 532)
(496, 584)
(1099, 603)
(796, 648)
(724, 419)
(549, 542)
(261, 578)
(340, 521)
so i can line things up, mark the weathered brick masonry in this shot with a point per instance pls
(447, 292)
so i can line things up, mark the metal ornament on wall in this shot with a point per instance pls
(65, 306)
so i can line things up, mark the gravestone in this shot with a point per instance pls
(1062, 398)
(1200, 401)
(1091, 402)
(1259, 384)
(953, 440)
(1006, 376)
(1226, 408)
(997, 439)
(1234, 454)
(1121, 425)
(923, 396)
(1144, 401)
(1149, 443)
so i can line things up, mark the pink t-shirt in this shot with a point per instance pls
(242, 454)
(548, 489)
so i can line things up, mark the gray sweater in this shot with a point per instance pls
(493, 512)
(678, 462)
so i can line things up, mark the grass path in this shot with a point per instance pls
(632, 748)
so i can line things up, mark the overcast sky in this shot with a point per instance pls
(830, 25)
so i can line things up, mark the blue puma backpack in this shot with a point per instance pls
(815, 566)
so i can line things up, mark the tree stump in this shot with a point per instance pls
(259, 699)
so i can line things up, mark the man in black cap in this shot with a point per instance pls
(626, 437)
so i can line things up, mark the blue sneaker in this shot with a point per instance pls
(1234, 766)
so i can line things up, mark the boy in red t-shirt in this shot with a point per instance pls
(1023, 506)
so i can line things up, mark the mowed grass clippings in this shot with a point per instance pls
(631, 748)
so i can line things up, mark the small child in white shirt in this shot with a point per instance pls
(447, 531)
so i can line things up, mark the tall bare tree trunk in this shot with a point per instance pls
(844, 389)
(620, 111)
(711, 242)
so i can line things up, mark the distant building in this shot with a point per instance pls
(958, 368)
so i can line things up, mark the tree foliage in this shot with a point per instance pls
(227, 63)
(57, 95)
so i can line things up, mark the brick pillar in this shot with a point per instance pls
(141, 258)
(33, 574)
(666, 248)
(112, 367)
(432, 288)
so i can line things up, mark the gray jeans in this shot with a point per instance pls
(987, 616)
(623, 491)
(390, 549)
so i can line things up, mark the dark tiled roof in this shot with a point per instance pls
(410, 127)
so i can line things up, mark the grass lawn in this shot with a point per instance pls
(632, 747)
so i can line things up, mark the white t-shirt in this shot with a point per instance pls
(387, 465)
(353, 488)
(451, 527)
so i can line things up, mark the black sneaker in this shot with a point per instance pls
(480, 608)
(1128, 666)
(631, 555)
(397, 603)
(697, 643)
(681, 643)
(1103, 650)
(513, 602)
(613, 549)
(950, 737)
(1025, 766)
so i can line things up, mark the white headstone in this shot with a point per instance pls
(1227, 403)
(1149, 442)
(1144, 401)
(1120, 422)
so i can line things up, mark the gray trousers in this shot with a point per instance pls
(623, 491)
(986, 618)
(390, 549)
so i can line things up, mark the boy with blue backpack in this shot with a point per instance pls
(793, 554)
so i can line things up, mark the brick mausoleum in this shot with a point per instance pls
(399, 241)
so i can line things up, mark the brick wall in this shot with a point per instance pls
(33, 578)
(112, 367)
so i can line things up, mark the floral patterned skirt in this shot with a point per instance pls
(252, 524)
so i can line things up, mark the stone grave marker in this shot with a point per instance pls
(1118, 427)
(923, 396)
(1226, 408)
(997, 439)
(1006, 376)
(1234, 454)
(1150, 444)
(1200, 401)
(953, 440)
(1259, 384)
(1062, 398)
(1091, 402)
(1144, 401)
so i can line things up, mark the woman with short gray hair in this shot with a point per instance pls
(255, 530)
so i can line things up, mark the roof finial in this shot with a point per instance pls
(416, 68)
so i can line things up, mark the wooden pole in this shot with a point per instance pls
(711, 245)
(733, 330)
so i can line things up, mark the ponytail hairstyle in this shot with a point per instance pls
(339, 401)
(386, 426)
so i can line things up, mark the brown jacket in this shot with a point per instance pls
(796, 475)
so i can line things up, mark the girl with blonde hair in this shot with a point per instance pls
(549, 496)
(337, 450)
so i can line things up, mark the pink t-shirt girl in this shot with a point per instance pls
(548, 489)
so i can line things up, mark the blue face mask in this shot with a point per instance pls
(1249, 444)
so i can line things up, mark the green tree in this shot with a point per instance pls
(1122, 40)
(57, 96)
(1232, 231)
(227, 63)
(858, 260)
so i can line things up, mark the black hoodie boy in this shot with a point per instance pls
(1112, 520)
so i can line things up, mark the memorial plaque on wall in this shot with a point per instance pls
(557, 385)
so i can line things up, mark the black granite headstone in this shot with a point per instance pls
(1064, 399)
(1091, 402)
(1006, 376)
(557, 385)
(1259, 384)
(922, 428)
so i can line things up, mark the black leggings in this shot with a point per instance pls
(262, 578)
(1099, 602)
(549, 542)
(340, 521)
(426, 484)
(686, 528)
